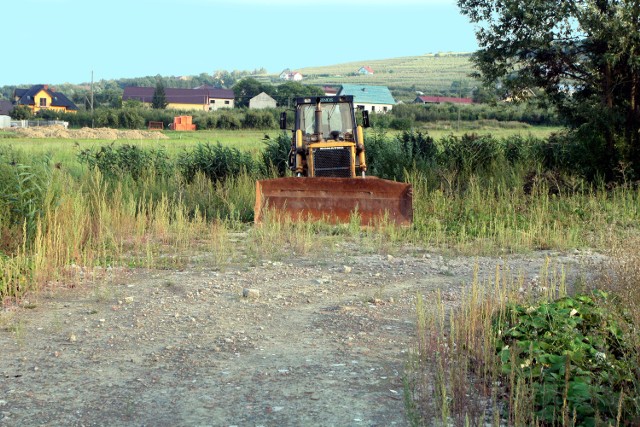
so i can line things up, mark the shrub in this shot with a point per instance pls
(258, 120)
(107, 117)
(131, 119)
(275, 156)
(215, 161)
(228, 121)
(131, 160)
(572, 354)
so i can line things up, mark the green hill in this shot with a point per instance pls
(431, 73)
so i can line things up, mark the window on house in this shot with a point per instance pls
(373, 108)
(226, 102)
(384, 109)
(43, 102)
(212, 101)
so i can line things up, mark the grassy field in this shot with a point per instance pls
(64, 150)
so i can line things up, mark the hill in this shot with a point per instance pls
(430, 73)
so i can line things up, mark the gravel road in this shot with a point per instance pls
(319, 341)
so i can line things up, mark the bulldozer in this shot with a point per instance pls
(328, 164)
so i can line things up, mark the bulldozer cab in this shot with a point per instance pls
(325, 118)
(335, 122)
(327, 141)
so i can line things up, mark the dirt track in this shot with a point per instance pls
(313, 343)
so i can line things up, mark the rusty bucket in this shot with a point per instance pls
(336, 200)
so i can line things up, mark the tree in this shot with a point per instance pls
(21, 112)
(249, 87)
(584, 55)
(159, 100)
(288, 91)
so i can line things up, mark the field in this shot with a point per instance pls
(150, 298)
(63, 150)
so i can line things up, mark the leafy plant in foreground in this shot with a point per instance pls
(573, 356)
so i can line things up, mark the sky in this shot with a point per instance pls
(64, 41)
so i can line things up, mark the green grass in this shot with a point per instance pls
(64, 150)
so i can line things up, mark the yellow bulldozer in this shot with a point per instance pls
(329, 168)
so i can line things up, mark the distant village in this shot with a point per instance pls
(371, 98)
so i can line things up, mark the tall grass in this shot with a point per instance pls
(493, 218)
(96, 222)
(129, 205)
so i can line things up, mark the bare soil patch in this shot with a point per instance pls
(317, 341)
(87, 133)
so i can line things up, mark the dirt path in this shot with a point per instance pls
(315, 343)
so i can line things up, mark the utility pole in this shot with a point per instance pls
(92, 124)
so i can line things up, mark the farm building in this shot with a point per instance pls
(291, 75)
(42, 97)
(203, 98)
(442, 100)
(262, 100)
(376, 99)
(366, 70)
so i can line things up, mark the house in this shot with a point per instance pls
(442, 100)
(262, 100)
(366, 70)
(42, 97)
(289, 75)
(203, 98)
(376, 99)
(330, 90)
(6, 107)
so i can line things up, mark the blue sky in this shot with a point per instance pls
(135, 38)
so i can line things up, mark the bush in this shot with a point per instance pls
(204, 121)
(228, 121)
(214, 161)
(572, 354)
(107, 117)
(258, 120)
(470, 153)
(275, 156)
(127, 160)
(131, 119)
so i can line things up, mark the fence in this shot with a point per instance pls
(37, 123)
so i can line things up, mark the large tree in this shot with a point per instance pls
(249, 87)
(288, 91)
(584, 54)
(159, 100)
